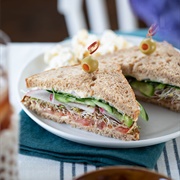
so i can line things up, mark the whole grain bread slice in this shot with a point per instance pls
(107, 83)
(161, 66)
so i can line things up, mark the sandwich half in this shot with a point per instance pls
(155, 78)
(101, 102)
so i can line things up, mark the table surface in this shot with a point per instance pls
(38, 168)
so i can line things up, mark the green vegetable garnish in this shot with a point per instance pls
(65, 98)
(105, 106)
(145, 88)
(143, 113)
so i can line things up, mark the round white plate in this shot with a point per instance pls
(162, 126)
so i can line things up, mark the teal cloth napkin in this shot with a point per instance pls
(36, 141)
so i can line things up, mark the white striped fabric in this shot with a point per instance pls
(38, 168)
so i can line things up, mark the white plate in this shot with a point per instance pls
(162, 126)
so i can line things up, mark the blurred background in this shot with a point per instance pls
(40, 20)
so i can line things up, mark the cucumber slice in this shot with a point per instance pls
(81, 101)
(143, 113)
(127, 121)
(70, 99)
(117, 114)
(160, 86)
(61, 98)
(85, 101)
(144, 88)
(89, 102)
(103, 105)
(66, 99)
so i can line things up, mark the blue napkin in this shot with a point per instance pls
(36, 141)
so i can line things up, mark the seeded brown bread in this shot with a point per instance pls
(108, 84)
(162, 66)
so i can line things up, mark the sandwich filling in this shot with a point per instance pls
(155, 90)
(85, 111)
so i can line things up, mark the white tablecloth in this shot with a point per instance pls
(32, 168)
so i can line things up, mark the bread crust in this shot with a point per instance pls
(107, 83)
